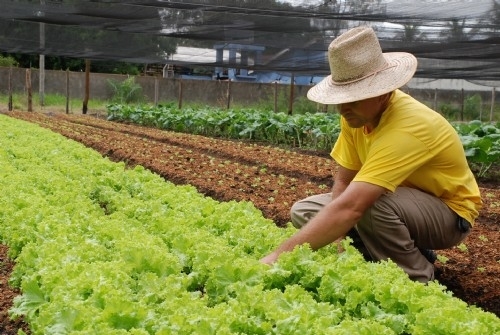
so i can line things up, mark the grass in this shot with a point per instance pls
(53, 103)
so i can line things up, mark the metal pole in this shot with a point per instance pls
(41, 66)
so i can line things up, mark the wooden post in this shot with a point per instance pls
(28, 90)
(87, 87)
(480, 110)
(10, 89)
(436, 99)
(157, 90)
(67, 91)
(228, 94)
(492, 109)
(276, 97)
(292, 89)
(180, 93)
(463, 106)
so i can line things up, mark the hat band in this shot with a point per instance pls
(364, 77)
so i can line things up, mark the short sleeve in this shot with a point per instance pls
(391, 159)
(344, 151)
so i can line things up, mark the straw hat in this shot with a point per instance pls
(359, 69)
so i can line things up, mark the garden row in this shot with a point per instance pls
(232, 170)
(268, 183)
(314, 131)
(100, 248)
(318, 131)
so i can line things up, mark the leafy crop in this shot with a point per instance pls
(481, 142)
(102, 249)
(318, 131)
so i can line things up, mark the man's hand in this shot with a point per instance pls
(269, 259)
(332, 222)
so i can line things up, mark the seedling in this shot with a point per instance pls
(442, 259)
(462, 247)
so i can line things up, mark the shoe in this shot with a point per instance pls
(429, 254)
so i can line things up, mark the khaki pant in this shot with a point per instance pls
(396, 226)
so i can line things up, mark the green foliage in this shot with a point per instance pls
(115, 67)
(54, 102)
(481, 143)
(7, 61)
(71, 64)
(472, 107)
(309, 130)
(317, 131)
(167, 260)
(450, 112)
(127, 91)
(301, 105)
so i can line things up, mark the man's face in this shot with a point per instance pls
(361, 113)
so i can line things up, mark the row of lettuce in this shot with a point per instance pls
(312, 131)
(102, 249)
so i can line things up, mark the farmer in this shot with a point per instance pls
(403, 184)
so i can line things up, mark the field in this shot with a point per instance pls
(272, 178)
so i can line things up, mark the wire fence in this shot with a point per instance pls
(21, 87)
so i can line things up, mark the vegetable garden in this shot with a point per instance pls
(105, 246)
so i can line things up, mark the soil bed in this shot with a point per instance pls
(272, 178)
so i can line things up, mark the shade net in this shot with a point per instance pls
(451, 39)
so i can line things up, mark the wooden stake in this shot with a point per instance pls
(492, 110)
(228, 93)
(292, 89)
(276, 97)
(436, 99)
(463, 106)
(10, 89)
(157, 90)
(87, 87)
(28, 90)
(67, 91)
(180, 93)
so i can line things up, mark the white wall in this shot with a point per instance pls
(450, 84)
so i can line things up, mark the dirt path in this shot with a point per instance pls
(273, 178)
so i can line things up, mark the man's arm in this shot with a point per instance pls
(334, 220)
(342, 179)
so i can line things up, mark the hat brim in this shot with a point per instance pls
(401, 68)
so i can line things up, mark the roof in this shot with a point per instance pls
(450, 38)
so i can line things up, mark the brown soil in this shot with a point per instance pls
(272, 178)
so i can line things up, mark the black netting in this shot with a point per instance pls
(451, 39)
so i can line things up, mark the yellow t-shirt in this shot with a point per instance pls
(412, 146)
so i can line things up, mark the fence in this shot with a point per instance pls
(455, 104)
